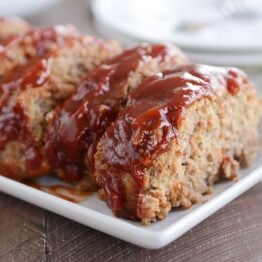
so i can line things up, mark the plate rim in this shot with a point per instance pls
(96, 7)
(123, 229)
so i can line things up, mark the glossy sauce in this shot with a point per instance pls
(43, 39)
(68, 193)
(5, 53)
(13, 118)
(33, 74)
(14, 28)
(145, 128)
(6, 40)
(37, 42)
(79, 123)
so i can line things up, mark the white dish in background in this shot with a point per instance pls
(222, 59)
(23, 7)
(224, 40)
(215, 58)
(94, 212)
(154, 21)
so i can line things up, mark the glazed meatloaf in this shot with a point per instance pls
(12, 27)
(181, 131)
(33, 89)
(76, 125)
(39, 41)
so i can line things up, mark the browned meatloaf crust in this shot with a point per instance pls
(57, 64)
(76, 126)
(38, 42)
(11, 27)
(181, 131)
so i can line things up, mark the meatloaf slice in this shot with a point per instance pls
(11, 27)
(76, 126)
(39, 41)
(181, 131)
(31, 91)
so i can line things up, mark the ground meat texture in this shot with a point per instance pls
(78, 124)
(36, 43)
(180, 132)
(12, 27)
(31, 91)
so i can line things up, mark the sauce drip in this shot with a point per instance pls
(45, 39)
(5, 41)
(150, 121)
(10, 28)
(65, 192)
(80, 121)
(13, 117)
(38, 45)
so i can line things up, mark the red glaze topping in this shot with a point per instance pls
(7, 40)
(36, 44)
(79, 123)
(145, 128)
(13, 117)
(42, 40)
(66, 192)
(14, 26)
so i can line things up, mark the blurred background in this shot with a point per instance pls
(218, 32)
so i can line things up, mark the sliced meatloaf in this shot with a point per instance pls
(12, 27)
(30, 91)
(40, 41)
(76, 126)
(181, 131)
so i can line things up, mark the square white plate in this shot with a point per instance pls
(94, 212)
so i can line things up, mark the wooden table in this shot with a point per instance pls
(29, 233)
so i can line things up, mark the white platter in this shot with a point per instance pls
(94, 212)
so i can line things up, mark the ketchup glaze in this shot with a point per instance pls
(80, 121)
(150, 121)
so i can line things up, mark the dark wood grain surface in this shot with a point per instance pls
(29, 233)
